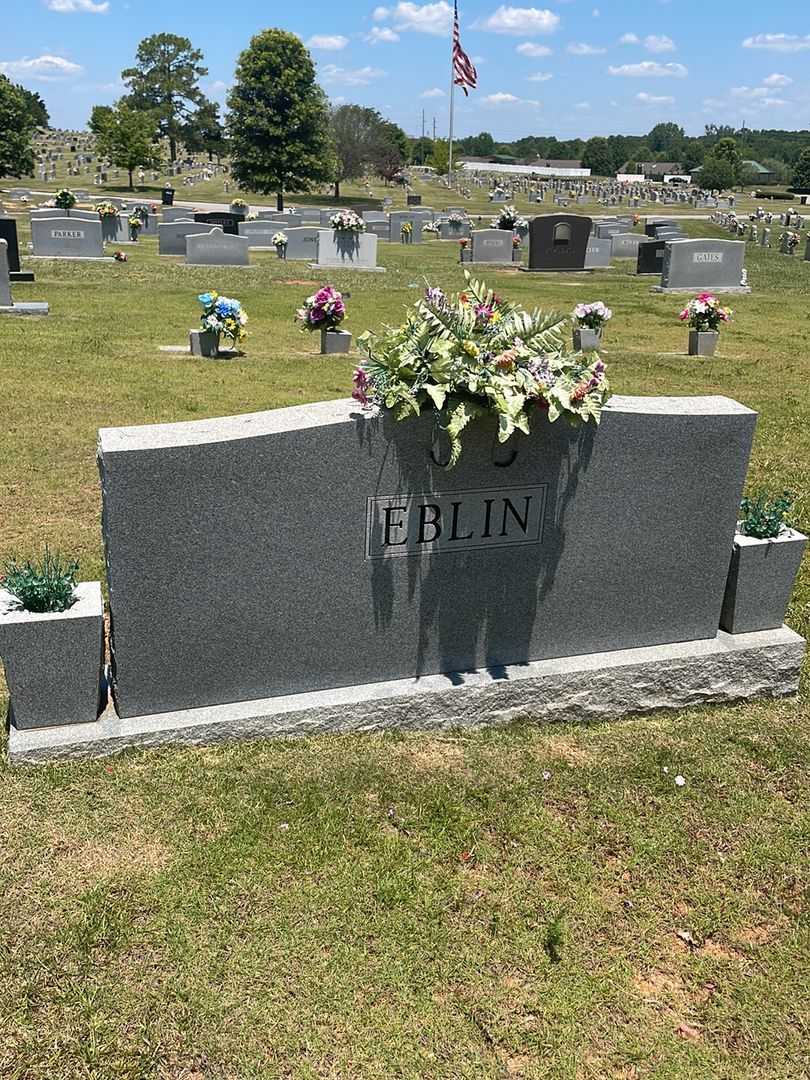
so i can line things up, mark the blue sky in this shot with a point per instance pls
(573, 68)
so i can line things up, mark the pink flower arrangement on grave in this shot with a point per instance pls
(324, 310)
(705, 313)
(592, 316)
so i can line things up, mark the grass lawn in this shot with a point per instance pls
(517, 903)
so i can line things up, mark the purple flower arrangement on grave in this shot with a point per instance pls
(592, 316)
(324, 310)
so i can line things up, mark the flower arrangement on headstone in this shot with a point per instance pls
(279, 241)
(705, 315)
(239, 206)
(120, 256)
(65, 200)
(589, 323)
(765, 559)
(346, 221)
(462, 248)
(51, 641)
(221, 318)
(517, 248)
(472, 355)
(456, 219)
(406, 232)
(324, 311)
(431, 228)
(788, 242)
(135, 223)
(509, 218)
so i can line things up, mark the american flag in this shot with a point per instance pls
(464, 73)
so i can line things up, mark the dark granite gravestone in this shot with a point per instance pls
(651, 257)
(558, 242)
(229, 223)
(345, 555)
(8, 232)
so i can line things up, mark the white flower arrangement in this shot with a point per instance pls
(279, 239)
(347, 221)
(456, 219)
(592, 316)
(431, 227)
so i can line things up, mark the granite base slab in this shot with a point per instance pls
(34, 308)
(595, 686)
(700, 288)
(73, 258)
(361, 269)
(184, 350)
(21, 277)
(560, 270)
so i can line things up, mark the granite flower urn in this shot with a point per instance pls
(587, 339)
(760, 581)
(335, 341)
(703, 342)
(53, 660)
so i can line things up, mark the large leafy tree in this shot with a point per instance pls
(278, 121)
(165, 80)
(801, 172)
(597, 157)
(717, 173)
(667, 139)
(440, 156)
(355, 132)
(36, 107)
(725, 149)
(390, 151)
(128, 137)
(17, 126)
(204, 132)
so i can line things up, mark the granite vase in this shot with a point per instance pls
(53, 660)
(204, 343)
(335, 341)
(760, 581)
(586, 339)
(703, 342)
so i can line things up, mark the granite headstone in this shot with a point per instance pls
(217, 248)
(67, 238)
(558, 242)
(703, 264)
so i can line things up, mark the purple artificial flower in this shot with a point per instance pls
(362, 384)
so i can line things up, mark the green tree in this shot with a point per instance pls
(204, 133)
(355, 131)
(440, 156)
(667, 139)
(100, 116)
(597, 157)
(801, 172)
(421, 150)
(726, 150)
(37, 108)
(716, 174)
(128, 138)
(17, 126)
(165, 81)
(390, 150)
(278, 121)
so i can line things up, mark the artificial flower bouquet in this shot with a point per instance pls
(475, 354)
(347, 221)
(592, 316)
(279, 241)
(324, 310)
(107, 210)
(65, 199)
(705, 314)
(509, 218)
(223, 316)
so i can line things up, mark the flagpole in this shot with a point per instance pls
(452, 93)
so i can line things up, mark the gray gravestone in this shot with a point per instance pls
(8, 232)
(491, 246)
(302, 242)
(411, 569)
(625, 245)
(558, 242)
(650, 259)
(67, 238)
(353, 251)
(170, 214)
(260, 233)
(172, 236)
(398, 219)
(217, 248)
(7, 305)
(597, 254)
(450, 230)
(703, 264)
(54, 212)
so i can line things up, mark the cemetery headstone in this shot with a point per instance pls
(67, 238)
(650, 258)
(351, 251)
(400, 217)
(625, 245)
(597, 254)
(7, 305)
(703, 264)
(8, 232)
(228, 222)
(302, 242)
(172, 236)
(558, 242)
(217, 248)
(491, 246)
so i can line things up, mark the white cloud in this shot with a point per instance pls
(42, 68)
(595, 13)
(583, 106)
(581, 48)
(528, 48)
(69, 7)
(423, 18)
(502, 98)
(218, 87)
(327, 42)
(786, 43)
(650, 69)
(658, 43)
(651, 99)
(350, 77)
(777, 80)
(750, 91)
(629, 39)
(434, 93)
(523, 22)
(539, 76)
(381, 34)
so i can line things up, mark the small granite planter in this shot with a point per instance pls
(703, 342)
(335, 341)
(241, 210)
(203, 343)
(53, 660)
(281, 251)
(586, 340)
(760, 581)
